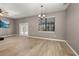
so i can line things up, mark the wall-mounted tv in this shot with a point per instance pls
(4, 23)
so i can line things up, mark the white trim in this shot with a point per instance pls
(46, 31)
(8, 35)
(71, 48)
(57, 40)
(47, 38)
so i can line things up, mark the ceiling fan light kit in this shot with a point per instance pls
(3, 13)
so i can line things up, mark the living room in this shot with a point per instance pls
(27, 28)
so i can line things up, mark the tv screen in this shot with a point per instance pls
(4, 23)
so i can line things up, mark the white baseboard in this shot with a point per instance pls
(47, 38)
(57, 40)
(72, 49)
(8, 35)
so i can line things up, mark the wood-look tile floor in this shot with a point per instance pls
(23, 46)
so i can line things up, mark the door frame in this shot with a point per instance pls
(20, 24)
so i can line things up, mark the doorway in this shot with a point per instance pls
(23, 29)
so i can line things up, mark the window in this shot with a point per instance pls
(47, 24)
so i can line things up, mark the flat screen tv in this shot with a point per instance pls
(4, 23)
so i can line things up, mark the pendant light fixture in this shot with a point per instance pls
(42, 14)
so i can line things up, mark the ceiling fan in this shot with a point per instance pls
(3, 13)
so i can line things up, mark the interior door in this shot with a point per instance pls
(23, 29)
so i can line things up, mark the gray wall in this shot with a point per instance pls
(33, 26)
(8, 31)
(73, 26)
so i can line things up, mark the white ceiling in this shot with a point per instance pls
(18, 10)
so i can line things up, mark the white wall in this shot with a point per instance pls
(33, 26)
(73, 26)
